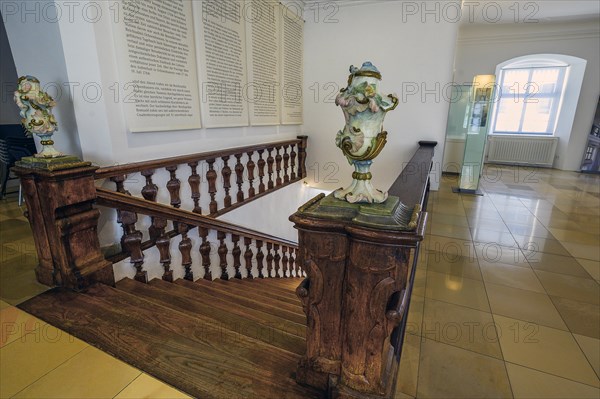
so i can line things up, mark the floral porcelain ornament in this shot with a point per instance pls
(36, 114)
(363, 137)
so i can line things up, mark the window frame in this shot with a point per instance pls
(526, 96)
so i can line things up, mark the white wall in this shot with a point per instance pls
(35, 40)
(409, 53)
(482, 47)
(270, 214)
(90, 55)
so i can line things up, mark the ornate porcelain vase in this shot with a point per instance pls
(363, 137)
(36, 114)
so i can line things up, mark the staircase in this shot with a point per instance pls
(224, 330)
(221, 339)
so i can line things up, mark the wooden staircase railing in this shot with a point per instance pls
(64, 221)
(257, 169)
(279, 260)
(359, 261)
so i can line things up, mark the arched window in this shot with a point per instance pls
(531, 92)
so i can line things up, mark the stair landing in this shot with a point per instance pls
(227, 339)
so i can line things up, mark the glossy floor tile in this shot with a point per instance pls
(450, 372)
(461, 327)
(527, 383)
(524, 305)
(98, 375)
(544, 349)
(146, 386)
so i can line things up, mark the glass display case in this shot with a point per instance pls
(482, 97)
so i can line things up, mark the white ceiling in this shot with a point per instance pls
(526, 11)
(490, 11)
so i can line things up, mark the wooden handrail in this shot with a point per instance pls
(416, 176)
(125, 202)
(134, 167)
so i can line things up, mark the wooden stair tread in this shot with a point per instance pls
(150, 337)
(267, 328)
(256, 292)
(284, 283)
(276, 308)
(272, 291)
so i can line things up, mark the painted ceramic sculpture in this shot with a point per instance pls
(36, 114)
(363, 137)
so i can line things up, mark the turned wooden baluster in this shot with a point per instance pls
(132, 243)
(293, 271)
(285, 262)
(226, 173)
(174, 185)
(211, 177)
(185, 247)
(205, 252)
(194, 182)
(302, 156)
(261, 171)
(270, 163)
(269, 259)
(236, 252)
(293, 162)
(222, 251)
(278, 159)
(251, 166)
(286, 164)
(259, 258)
(277, 259)
(163, 243)
(248, 257)
(120, 183)
(239, 177)
(149, 192)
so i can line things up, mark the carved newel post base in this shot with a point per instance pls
(357, 293)
(59, 197)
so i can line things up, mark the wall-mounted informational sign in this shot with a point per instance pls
(157, 65)
(292, 71)
(222, 49)
(263, 45)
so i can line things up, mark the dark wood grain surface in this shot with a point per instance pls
(199, 343)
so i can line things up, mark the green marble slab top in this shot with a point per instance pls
(51, 164)
(389, 215)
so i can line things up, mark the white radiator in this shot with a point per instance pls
(522, 150)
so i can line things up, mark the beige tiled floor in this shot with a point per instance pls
(505, 304)
(511, 294)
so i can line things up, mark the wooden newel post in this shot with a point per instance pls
(64, 224)
(357, 293)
